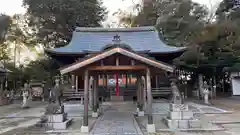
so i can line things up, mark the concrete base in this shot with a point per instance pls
(57, 117)
(59, 125)
(94, 114)
(183, 124)
(84, 129)
(181, 115)
(151, 128)
(140, 113)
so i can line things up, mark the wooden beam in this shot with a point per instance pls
(124, 52)
(112, 68)
(76, 83)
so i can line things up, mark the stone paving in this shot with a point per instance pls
(23, 125)
(13, 117)
(75, 109)
(13, 110)
(117, 121)
(160, 109)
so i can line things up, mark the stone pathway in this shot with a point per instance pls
(206, 109)
(117, 122)
(13, 117)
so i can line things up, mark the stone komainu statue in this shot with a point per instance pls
(57, 107)
(57, 90)
(176, 96)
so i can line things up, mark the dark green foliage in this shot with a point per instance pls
(5, 23)
(56, 19)
(212, 45)
(42, 69)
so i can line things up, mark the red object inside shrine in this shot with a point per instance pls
(117, 86)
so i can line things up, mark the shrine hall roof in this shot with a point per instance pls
(94, 39)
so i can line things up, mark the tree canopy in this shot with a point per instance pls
(47, 23)
(55, 20)
(212, 43)
(5, 22)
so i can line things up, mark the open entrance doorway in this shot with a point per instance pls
(121, 85)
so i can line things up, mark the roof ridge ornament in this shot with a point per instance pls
(116, 39)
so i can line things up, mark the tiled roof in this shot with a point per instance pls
(94, 39)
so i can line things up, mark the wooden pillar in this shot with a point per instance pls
(149, 96)
(117, 76)
(117, 87)
(107, 77)
(141, 93)
(103, 80)
(140, 89)
(126, 75)
(144, 92)
(97, 93)
(156, 80)
(86, 86)
(91, 92)
(76, 84)
(130, 79)
(95, 90)
(73, 82)
(106, 81)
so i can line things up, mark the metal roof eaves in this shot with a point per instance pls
(100, 29)
(180, 49)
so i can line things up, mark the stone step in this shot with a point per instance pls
(114, 123)
(183, 124)
(126, 133)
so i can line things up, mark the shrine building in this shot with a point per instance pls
(117, 64)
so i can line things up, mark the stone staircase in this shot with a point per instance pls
(161, 92)
(69, 93)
